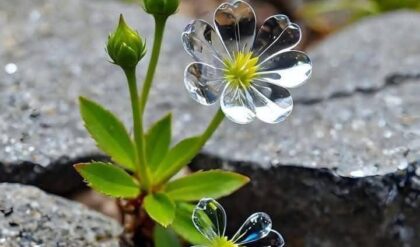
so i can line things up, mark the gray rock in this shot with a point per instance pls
(362, 56)
(357, 117)
(29, 217)
(361, 127)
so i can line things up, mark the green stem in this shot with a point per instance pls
(160, 22)
(208, 133)
(142, 170)
(205, 136)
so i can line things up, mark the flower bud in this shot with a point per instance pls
(160, 7)
(125, 46)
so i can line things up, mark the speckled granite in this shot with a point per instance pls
(30, 217)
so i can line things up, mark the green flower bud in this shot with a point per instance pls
(160, 7)
(125, 46)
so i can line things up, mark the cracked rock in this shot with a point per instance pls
(348, 118)
(30, 217)
(315, 207)
(357, 117)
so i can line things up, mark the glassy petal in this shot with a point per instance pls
(236, 24)
(237, 105)
(201, 41)
(256, 227)
(276, 35)
(204, 82)
(287, 69)
(273, 239)
(209, 218)
(273, 104)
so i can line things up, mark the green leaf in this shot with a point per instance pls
(109, 133)
(184, 226)
(212, 184)
(158, 140)
(109, 179)
(160, 208)
(178, 157)
(165, 237)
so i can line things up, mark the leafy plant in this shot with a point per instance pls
(252, 82)
(144, 165)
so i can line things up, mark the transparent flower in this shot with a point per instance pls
(248, 70)
(209, 218)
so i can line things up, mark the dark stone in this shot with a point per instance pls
(315, 207)
(58, 177)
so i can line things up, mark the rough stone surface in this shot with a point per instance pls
(358, 116)
(29, 217)
(350, 118)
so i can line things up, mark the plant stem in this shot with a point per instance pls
(160, 22)
(208, 133)
(205, 136)
(142, 170)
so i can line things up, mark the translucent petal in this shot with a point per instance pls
(236, 24)
(204, 82)
(237, 105)
(276, 35)
(201, 41)
(209, 218)
(273, 104)
(256, 227)
(287, 69)
(273, 239)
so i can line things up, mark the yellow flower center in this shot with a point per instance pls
(222, 242)
(241, 70)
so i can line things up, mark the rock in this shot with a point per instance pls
(375, 49)
(357, 117)
(30, 217)
(358, 128)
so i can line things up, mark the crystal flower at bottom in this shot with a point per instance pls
(248, 71)
(209, 218)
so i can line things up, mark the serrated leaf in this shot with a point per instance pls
(165, 237)
(109, 179)
(178, 157)
(160, 208)
(158, 141)
(109, 133)
(214, 184)
(184, 226)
